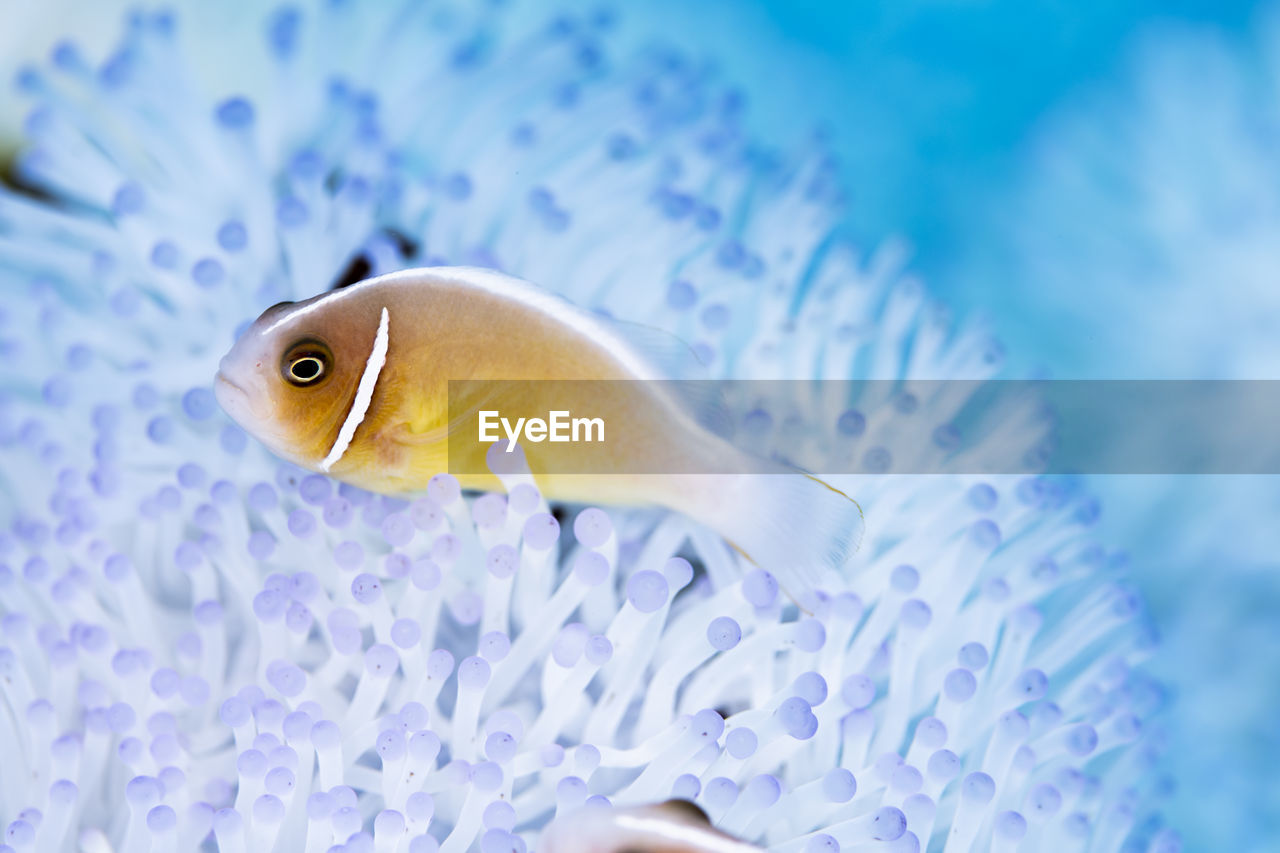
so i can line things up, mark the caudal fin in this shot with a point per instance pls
(792, 525)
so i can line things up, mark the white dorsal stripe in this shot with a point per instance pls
(499, 284)
(364, 392)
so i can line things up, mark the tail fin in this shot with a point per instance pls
(792, 525)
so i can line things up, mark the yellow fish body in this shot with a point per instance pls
(355, 383)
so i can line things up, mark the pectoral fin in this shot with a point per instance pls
(409, 435)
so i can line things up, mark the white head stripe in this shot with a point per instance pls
(364, 392)
(331, 296)
(497, 284)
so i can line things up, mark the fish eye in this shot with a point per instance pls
(306, 363)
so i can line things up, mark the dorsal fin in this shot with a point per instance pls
(690, 382)
(668, 354)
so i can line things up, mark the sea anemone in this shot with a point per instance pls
(206, 649)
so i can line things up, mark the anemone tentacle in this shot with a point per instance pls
(203, 649)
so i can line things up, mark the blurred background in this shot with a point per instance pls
(1101, 181)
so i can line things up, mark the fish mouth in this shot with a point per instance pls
(233, 398)
(222, 386)
(246, 409)
(220, 378)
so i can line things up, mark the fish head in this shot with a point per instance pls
(291, 378)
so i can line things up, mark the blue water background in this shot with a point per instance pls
(935, 109)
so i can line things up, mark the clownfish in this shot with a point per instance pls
(354, 383)
(676, 826)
